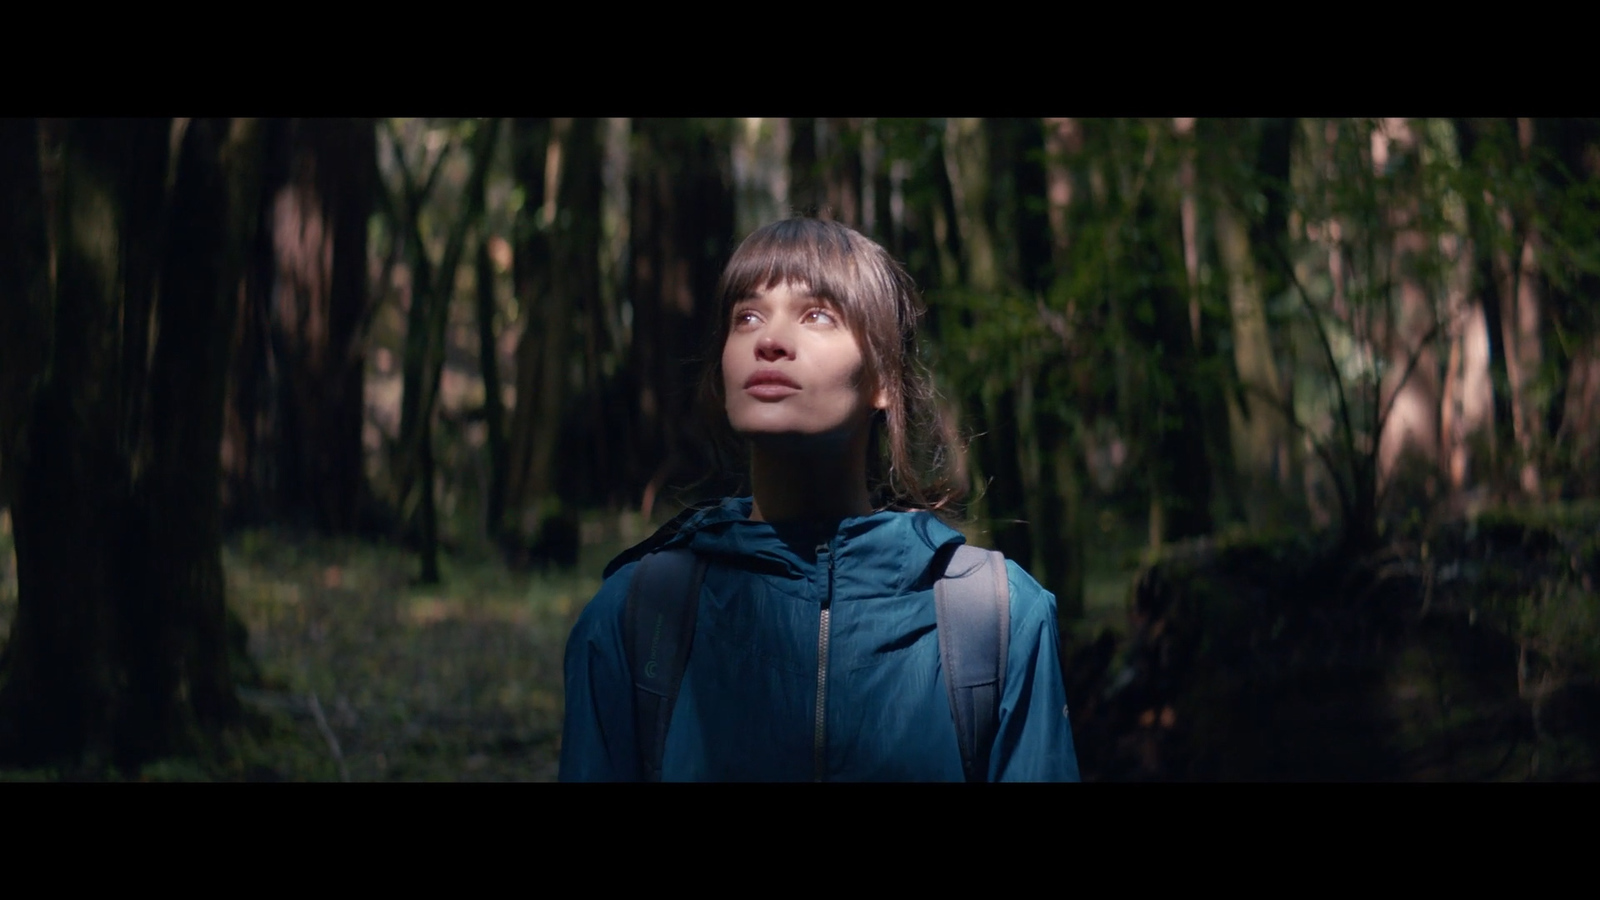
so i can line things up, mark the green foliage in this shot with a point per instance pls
(1542, 582)
(1563, 623)
(174, 770)
(31, 776)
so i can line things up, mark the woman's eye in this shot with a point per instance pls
(743, 317)
(820, 316)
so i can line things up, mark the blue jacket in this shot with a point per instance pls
(761, 702)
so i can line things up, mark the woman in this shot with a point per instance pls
(815, 646)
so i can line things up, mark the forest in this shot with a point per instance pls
(315, 434)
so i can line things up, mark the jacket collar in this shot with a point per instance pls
(897, 547)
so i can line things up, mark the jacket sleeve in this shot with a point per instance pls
(1034, 740)
(597, 740)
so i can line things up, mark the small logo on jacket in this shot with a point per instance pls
(655, 642)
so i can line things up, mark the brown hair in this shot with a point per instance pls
(915, 459)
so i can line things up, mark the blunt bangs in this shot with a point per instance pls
(825, 259)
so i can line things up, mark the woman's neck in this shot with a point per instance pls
(809, 485)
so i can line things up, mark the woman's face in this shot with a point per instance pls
(792, 368)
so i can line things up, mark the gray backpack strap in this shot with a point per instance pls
(973, 605)
(658, 628)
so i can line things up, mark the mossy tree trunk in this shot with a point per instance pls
(1249, 222)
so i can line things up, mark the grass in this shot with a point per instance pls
(460, 681)
(454, 682)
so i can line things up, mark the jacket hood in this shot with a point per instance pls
(899, 546)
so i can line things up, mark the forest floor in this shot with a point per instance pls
(366, 676)
(457, 682)
(363, 675)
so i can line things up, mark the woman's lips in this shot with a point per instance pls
(770, 391)
(770, 384)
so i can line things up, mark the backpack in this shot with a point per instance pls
(972, 605)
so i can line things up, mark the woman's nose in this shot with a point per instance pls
(772, 347)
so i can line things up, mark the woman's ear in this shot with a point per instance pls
(880, 399)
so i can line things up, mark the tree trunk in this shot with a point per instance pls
(493, 408)
(1469, 137)
(761, 150)
(26, 321)
(1003, 451)
(293, 451)
(1520, 321)
(878, 210)
(1180, 468)
(1529, 409)
(927, 239)
(1410, 390)
(1210, 311)
(530, 150)
(1050, 505)
(563, 454)
(1580, 423)
(682, 224)
(806, 194)
(1467, 409)
(841, 158)
(966, 151)
(1270, 242)
(1256, 419)
(1249, 246)
(185, 669)
(118, 651)
(426, 336)
(556, 329)
(61, 696)
(1569, 165)
(587, 454)
(1065, 517)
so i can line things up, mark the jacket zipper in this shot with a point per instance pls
(819, 748)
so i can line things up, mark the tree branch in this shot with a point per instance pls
(1326, 345)
(1321, 448)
